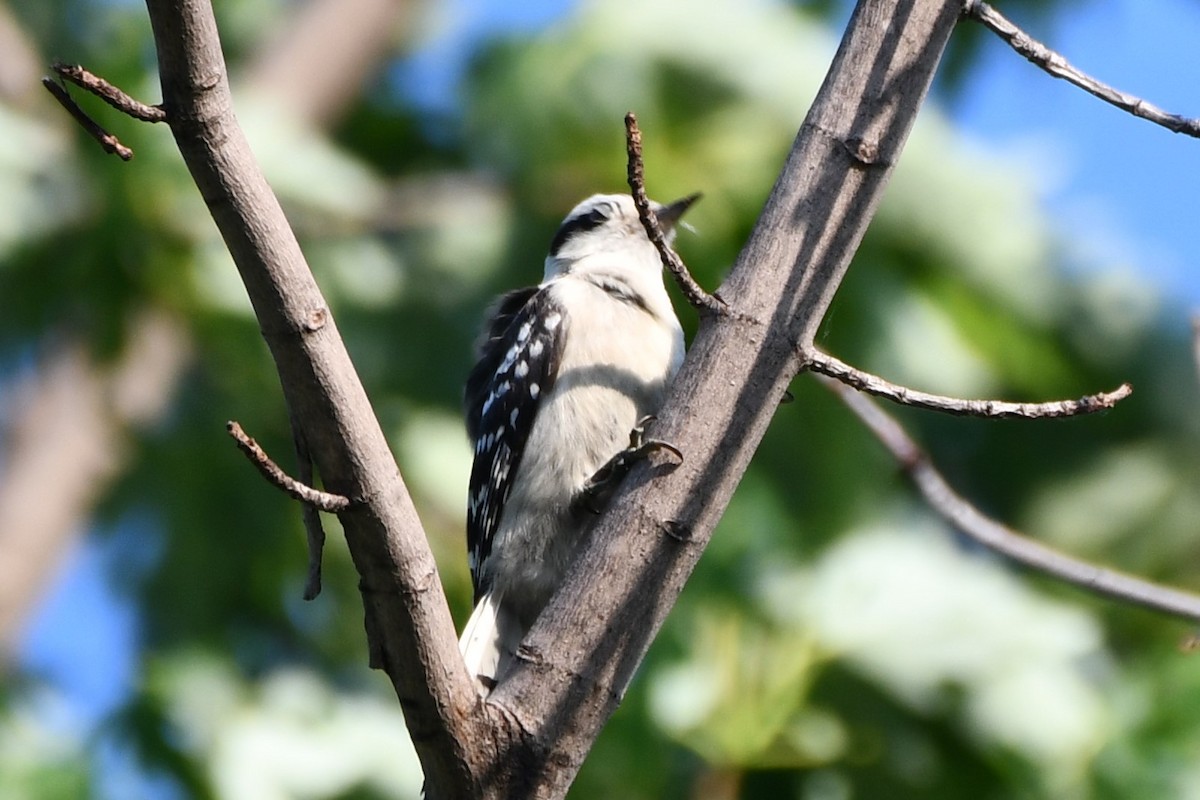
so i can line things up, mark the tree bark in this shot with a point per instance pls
(580, 656)
(530, 738)
(410, 632)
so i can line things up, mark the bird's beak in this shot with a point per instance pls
(668, 215)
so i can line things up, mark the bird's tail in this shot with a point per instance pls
(489, 641)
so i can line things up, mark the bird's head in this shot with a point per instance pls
(604, 231)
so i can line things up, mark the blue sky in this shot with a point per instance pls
(1120, 187)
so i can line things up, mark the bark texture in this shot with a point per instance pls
(582, 653)
(530, 738)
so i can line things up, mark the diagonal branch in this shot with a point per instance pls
(636, 171)
(322, 501)
(1057, 66)
(996, 537)
(580, 655)
(409, 629)
(108, 93)
(110, 143)
(839, 370)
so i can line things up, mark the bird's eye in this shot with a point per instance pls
(574, 226)
(597, 216)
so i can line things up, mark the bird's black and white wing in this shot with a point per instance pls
(518, 364)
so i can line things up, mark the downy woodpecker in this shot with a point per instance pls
(566, 370)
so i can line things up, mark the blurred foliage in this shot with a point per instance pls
(835, 642)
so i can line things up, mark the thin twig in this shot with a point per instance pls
(998, 538)
(314, 531)
(1057, 66)
(323, 501)
(108, 93)
(695, 294)
(110, 143)
(839, 370)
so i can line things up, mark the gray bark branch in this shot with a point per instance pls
(960, 513)
(530, 738)
(581, 654)
(839, 370)
(410, 632)
(1055, 65)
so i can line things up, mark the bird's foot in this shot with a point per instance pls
(599, 488)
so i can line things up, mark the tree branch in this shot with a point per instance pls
(532, 734)
(110, 143)
(996, 537)
(839, 370)
(579, 657)
(1057, 66)
(108, 93)
(410, 632)
(322, 501)
(636, 172)
(314, 531)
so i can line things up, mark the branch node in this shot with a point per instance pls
(316, 319)
(322, 501)
(865, 153)
(699, 299)
(678, 531)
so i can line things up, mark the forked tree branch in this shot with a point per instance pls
(960, 513)
(110, 94)
(1054, 64)
(110, 143)
(106, 92)
(576, 662)
(530, 737)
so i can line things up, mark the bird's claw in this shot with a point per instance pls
(601, 484)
